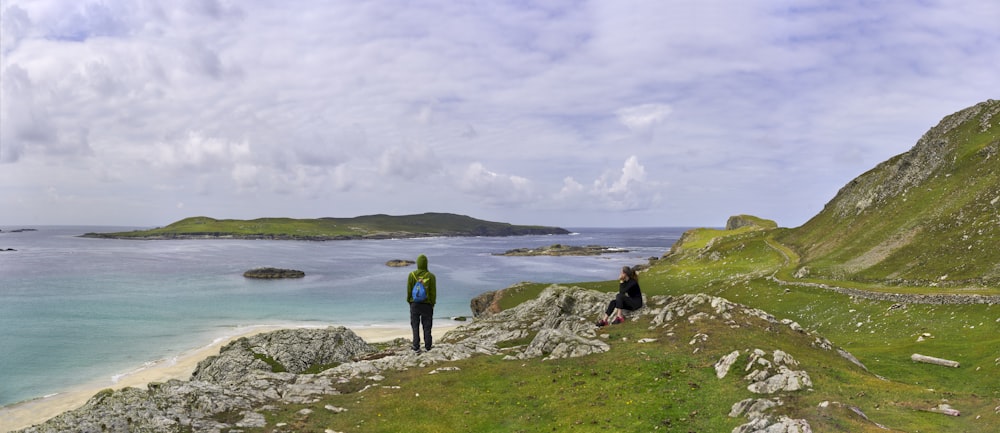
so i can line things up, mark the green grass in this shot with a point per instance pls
(945, 227)
(665, 385)
(668, 386)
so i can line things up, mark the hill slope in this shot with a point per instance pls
(930, 216)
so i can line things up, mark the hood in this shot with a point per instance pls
(422, 262)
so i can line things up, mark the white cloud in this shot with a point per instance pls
(628, 189)
(496, 107)
(414, 162)
(493, 188)
(642, 119)
(196, 151)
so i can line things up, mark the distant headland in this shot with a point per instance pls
(326, 229)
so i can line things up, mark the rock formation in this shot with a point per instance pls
(273, 273)
(231, 390)
(562, 250)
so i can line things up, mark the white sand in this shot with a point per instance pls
(37, 411)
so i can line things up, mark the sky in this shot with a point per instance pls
(616, 113)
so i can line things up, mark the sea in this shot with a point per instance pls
(74, 310)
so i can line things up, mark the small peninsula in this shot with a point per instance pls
(328, 229)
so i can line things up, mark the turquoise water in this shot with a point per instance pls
(73, 310)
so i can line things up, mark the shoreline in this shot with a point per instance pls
(32, 412)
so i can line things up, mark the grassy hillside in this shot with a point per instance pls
(925, 222)
(370, 226)
(670, 385)
(928, 217)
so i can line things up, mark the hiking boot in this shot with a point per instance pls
(618, 320)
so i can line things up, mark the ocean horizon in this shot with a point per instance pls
(78, 310)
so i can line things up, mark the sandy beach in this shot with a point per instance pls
(33, 412)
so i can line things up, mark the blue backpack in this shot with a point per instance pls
(419, 293)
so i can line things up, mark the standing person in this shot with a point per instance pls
(629, 297)
(421, 311)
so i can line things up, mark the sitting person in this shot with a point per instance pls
(629, 297)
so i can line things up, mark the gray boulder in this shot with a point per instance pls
(286, 350)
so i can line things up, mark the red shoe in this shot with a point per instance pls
(602, 322)
(618, 320)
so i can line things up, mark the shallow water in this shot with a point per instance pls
(74, 309)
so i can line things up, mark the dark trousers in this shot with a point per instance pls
(421, 314)
(624, 302)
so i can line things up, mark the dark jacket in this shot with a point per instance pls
(631, 289)
(430, 281)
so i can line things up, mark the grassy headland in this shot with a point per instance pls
(923, 223)
(670, 385)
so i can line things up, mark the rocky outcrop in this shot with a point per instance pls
(273, 273)
(485, 304)
(766, 376)
(399, 263)
(488, 303)
(740, 221)
(912, 168)
(926, 217)
(230, 391)
(562, 250)
(286, 350)
(235, 384)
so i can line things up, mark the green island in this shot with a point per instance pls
(902, 262)
(325, 229)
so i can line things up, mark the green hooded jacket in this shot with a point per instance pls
(430, 281)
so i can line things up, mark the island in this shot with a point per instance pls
(399, 263)
(326, 229)
(562, 250)
(273, 273)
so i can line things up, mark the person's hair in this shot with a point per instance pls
(630, 273)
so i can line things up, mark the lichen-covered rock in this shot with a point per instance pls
(291, 350)
(767, 376)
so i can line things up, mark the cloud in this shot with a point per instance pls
(493, 188)
(642, 119)
(412, 163)
(499, 108)
(198, 152)
(628, 189)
